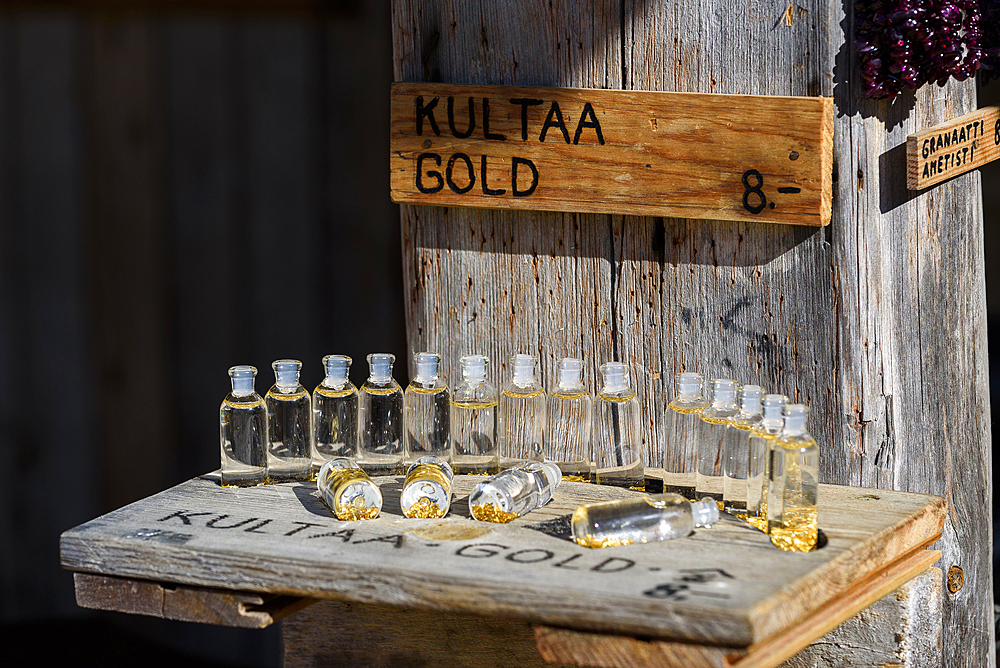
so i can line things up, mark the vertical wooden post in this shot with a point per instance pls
(878, 321)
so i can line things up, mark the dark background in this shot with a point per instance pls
(181, 192)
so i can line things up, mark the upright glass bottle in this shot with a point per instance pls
(380, 412)
(642, 519)
(568, 423)
(680, 428)
(289, 425)
(473, 420)
(427, 411)
(761, 438)
(711, 430)
(794, 485)
(243, 432)
(335, 414)
(521, 414)
(736, 448)
(618, 431)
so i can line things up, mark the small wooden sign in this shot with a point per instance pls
(958, 146)
(684, 155)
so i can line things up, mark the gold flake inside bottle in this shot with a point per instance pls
(761, 438)
(348, 490)
(427, 489)
(642, 519)
(514, 492)
(792, 520)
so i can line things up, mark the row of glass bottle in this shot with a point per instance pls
(750, 452)
(287, 435)
(427, 493)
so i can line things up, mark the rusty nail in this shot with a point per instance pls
(427, 143)
(956, 579)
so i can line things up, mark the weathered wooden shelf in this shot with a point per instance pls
(725, 590)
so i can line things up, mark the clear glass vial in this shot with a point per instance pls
(618, 431)
(793, 485)
(427, 410)
(514, 492)
(521, 413)
(763, 435)
(711, 431)
(643, 519)
(680, 428)
(473, 420)
(243, 432)
(348, 490)
(335, 413)
(380, 412)
(289, 425)
(736, 450)
(427, 489)
(568, 422)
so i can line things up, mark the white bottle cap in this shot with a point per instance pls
(474, 367)
(336, 369)
(795, 418)
(774, 410)
(688, 385)
(427, 366)
(286, 373)
(615, 376)
(570, 372)
(725, 392)
(242, 377)
(750, 397)
(705, 512)
(524, 369)
(380, 366)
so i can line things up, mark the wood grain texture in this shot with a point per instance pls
(951, 148)
(877, 321)
(281, 539)
(734, 157)
(182, 603)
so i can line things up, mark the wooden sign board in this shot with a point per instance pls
(724, 586)
(683, 155)
(958, 146)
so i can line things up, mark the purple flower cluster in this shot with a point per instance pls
(903, 44)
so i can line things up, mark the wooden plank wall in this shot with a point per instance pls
(878, 321)
(178, 194)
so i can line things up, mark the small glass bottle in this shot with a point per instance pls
(761, 438)
(427, 410)
(568, 417)
(794, 485)
(642, 519)
(680, 425)
(521, 414)
(736, 449)
(427, 489)
(380, 412)
(711, 431)
(243, 432)
(335, 413)
(289, 422)
(514, 492)
(473, 420)
(617, 431)
(348, 490)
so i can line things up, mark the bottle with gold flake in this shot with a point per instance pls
(641, 519)
(761, 438)
(514, 492)
(427, 489)
(348, 490)
(794, 485)
(711, 432)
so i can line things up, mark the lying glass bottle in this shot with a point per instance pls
(514, 492)
(642, 519)
(427, 490)
(348, 490)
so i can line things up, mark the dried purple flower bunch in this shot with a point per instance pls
(903, 44)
